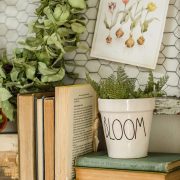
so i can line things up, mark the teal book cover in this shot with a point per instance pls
(157, 162)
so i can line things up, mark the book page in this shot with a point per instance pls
(84, 113)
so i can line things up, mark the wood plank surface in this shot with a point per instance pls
(8, 165)
(8, 143)
(167, 106)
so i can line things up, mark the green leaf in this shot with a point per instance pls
(65, 15)
(77, 11)
(61, 13)
(78, 28)
(57, 12)
(1, 118)
(70, 48)
(53, 33)
(4, 57)
(52, 39)
(30, 71)
(44, 70)
(47, 24)
(79, 4)
(49, 14)
(53, 78)
(8, 110)
(114, 22)
(4, 94)
(106, 23)
(14, 74)
(2, 73)
(56, 40)
(63, 31)
(135, 22)
(30, 48)
(33, 41)
(12, 84)
(43, 56)
(144, 26)
(50, 52)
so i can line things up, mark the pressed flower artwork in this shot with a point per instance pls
(130, 31)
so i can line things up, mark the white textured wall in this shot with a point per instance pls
(14, 14)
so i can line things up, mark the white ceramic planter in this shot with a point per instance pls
(127, 125)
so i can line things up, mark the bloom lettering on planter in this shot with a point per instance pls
(110, 130)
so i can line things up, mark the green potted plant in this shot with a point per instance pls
(126, 113)
(39, 65)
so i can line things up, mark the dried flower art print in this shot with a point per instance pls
(130, 31)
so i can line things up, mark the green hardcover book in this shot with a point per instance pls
(157, 162)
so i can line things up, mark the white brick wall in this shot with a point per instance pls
(14, 14)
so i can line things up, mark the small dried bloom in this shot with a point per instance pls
(109, 39)
(130, 42)
(112, 6)
(141, 40)
(151, 7)
(119, 33)
(125, 1)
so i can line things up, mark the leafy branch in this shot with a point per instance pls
(39, 65)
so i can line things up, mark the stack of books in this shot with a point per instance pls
(156, 166)
(53, 129)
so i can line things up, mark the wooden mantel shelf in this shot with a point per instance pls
(9, 142)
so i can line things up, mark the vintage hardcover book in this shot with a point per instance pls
(26, 134)
(111, 174)
(157, 162)
(49, 147)
(76, 111)
(40, 139)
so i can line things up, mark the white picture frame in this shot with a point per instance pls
(130, 31)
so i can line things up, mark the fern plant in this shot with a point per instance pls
(122, 87)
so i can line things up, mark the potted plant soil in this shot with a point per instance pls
(126, 113)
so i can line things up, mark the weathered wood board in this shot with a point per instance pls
(8, 142)
(167, 106)
(8, 166)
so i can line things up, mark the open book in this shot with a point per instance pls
(76, 111)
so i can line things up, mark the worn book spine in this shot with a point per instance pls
(40, 139)
(49, 144)
(108, 174)
(26, 137)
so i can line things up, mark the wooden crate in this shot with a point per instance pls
(8, 165)
(8, 157)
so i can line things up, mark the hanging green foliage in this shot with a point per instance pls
(39, 65)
